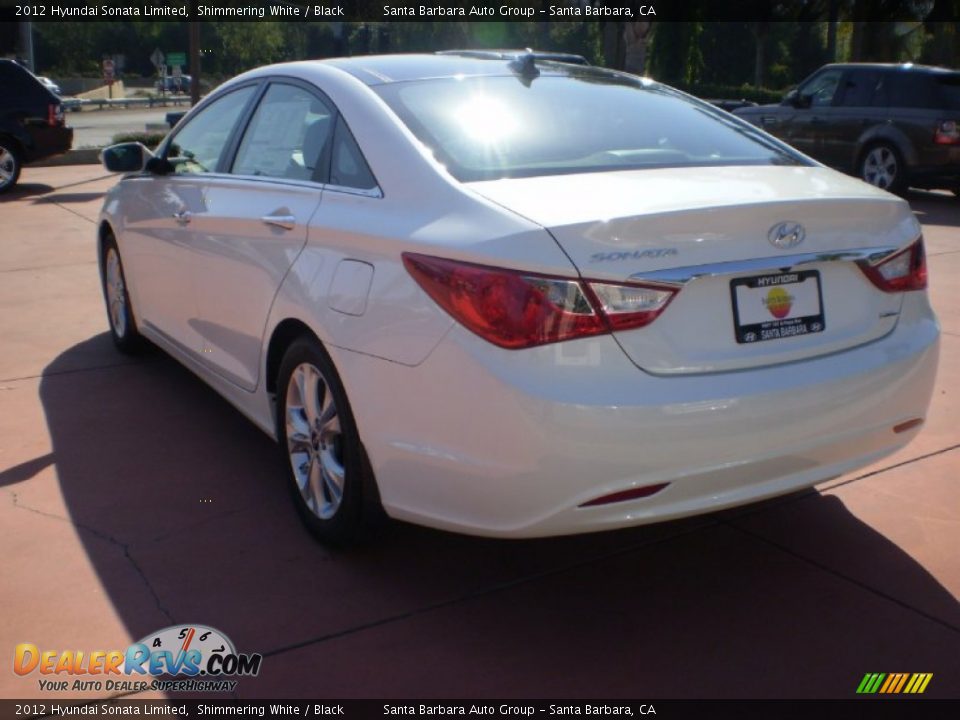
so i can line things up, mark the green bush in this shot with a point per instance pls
(150, 139)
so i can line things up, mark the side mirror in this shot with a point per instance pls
(796, 99)
(125, 157)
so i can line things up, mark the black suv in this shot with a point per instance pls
(31, 122)
(892, 125)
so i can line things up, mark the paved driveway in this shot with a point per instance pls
(134, 498)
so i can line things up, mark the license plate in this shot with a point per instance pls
(770, 307)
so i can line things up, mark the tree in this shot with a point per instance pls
(245, 45)
(675, 56)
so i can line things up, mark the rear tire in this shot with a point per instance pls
(882, 165)
(10, 164)
(329, 476)
(123, 327)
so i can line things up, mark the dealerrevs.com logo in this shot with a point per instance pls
(197, 657)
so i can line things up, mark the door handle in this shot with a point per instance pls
(287, 222)
(182, 217)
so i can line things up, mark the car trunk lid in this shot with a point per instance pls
(726, 238)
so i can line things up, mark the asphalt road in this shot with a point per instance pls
(133, 498)
(96, 128)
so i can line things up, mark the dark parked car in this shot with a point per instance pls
(32, 124)
(892, 125)
(172, 83)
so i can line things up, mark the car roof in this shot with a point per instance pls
(382, 69)
(906, 67)
(501, 54)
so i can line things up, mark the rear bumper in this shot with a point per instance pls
(511, 444)
(49, 141)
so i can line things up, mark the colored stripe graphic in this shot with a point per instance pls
(886, 685)
(894, 683)
(903, 681)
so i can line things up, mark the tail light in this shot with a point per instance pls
(907, 270)
(54, 114)
(516, 310)
(947, 133)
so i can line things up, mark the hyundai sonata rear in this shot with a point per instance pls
(518, 298)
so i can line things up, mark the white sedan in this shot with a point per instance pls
(516, 298)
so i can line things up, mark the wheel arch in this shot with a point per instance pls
(104, 230)
(885, 134)
(17, 143)
(283, 336)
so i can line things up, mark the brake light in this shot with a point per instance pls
(514, 309)
(947, 133)
(907, 270)
(54, 114)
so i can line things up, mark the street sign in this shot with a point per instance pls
(176, 58)
(108, 69)
(157, 58)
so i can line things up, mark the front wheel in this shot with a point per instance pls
(882, 166)
(123, 328)
(330, 480)
(10, 165)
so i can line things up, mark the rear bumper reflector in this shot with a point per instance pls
(623, 495)
(908, 425)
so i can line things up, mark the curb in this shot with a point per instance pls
(83, 156)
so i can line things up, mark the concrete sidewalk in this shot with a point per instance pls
(134, 498)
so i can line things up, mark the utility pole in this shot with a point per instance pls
(26, 44)
(195, 62)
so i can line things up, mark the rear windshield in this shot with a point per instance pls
(20, 86)
(485, 128)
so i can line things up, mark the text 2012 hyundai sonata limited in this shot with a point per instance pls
(518, 298)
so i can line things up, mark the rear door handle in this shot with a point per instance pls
(287, 222)
(182, 217)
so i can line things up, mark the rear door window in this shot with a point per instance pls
(288, 136)
(859, 87)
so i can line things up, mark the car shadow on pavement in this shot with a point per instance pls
(24, 190)
(25, 470)
(199, 528)
(61, 198)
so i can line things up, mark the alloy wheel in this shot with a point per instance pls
(880, 167)
(116, 294)
(314, 440)
(8, 167)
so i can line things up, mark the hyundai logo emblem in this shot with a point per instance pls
(786, 235)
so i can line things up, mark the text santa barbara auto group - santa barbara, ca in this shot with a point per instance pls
(330, 10)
